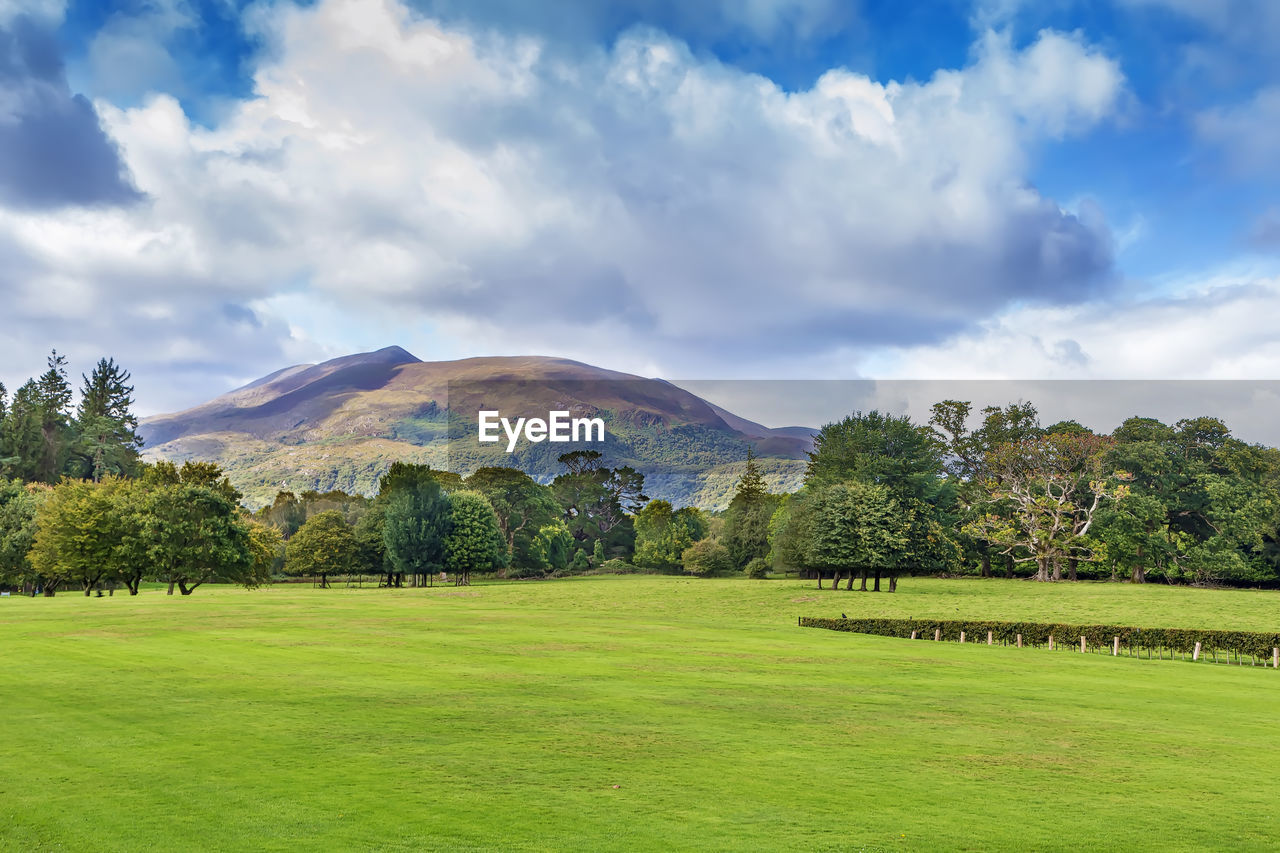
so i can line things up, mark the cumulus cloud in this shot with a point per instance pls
(53, 151)
(1249, 132)
(637, 205)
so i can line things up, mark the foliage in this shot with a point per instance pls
(474, 543)
(416, 520)
(1257, 644)
(325, 545)
(706, 557)
(662, 534)
(757, 569)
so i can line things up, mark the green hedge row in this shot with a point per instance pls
(1255, 643)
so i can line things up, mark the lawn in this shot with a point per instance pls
(623, 714)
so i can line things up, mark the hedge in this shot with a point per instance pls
(1255, 643)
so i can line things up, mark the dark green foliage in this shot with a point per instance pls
(746, 524)
(473, 543)
(523, 507)
(416, 520)
(1183, 640)
(107, 430)
(757, 569)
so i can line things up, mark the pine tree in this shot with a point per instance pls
(746, 529)
(108, 429)
(53, 404)
(751, 486)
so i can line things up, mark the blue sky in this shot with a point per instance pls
(208, 190)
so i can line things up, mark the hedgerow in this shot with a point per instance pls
(1256, 643)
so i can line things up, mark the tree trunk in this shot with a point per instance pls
(835, 579)
(1042, 569)
(170, 592)
(876, 588)
(1072, 564)
(819, 578)
(133, 583)
(863, 574)
(893, 583)
(1139, 571)
(849, 585)
(1057, 569)
(986, 565)
(187, 590)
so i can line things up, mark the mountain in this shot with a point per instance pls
(341, 423)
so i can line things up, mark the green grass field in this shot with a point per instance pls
(623, 714)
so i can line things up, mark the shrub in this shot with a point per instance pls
(706, 557)
(1255, 643)
(757, 569)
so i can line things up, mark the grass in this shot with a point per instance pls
(503, 716)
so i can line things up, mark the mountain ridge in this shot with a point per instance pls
(341, 422)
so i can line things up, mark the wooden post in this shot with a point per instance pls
(962, 636)
(988, 638)
(913, 635)
(1082, 645)
(1051, 642)
(1115, 647)
(1019, 641)
(937, 634)
(1275, 658)
(1196, 654)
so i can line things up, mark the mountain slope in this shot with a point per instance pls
(341, 423)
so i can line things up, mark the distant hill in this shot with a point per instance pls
(341, 423)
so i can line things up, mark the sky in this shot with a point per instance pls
(209, 190)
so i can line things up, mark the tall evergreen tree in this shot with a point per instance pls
(746, 525)
(108, 440)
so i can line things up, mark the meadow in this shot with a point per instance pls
(623, 713)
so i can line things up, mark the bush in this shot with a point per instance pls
(1253, 643)
(757, 569)
(616, 567)
(706, 557)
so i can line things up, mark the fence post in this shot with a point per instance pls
(937, 634)
(1115, 647)
(1019, 641)
(1051, 642)
(1196, 654)
(1275, 657)
(1082, 644)
(962, 636)
(913, 635)
(988, 638)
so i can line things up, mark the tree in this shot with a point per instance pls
(1042, 496)
(597, 501)
(706, 557)
(325, 545)
(18, 509)
(108, 441)
(746, 533)
(415, 524)
(857, 526)
(266, 549)
(474, 543)
(80, 534)
(551, 547)
(523, 507)
(662, 534)
(37, 433)
(193, 534)
(965, 458)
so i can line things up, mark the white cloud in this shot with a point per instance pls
(1219, 328)
(637, 206)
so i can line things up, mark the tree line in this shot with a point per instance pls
(989, 492)
(883, 496)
